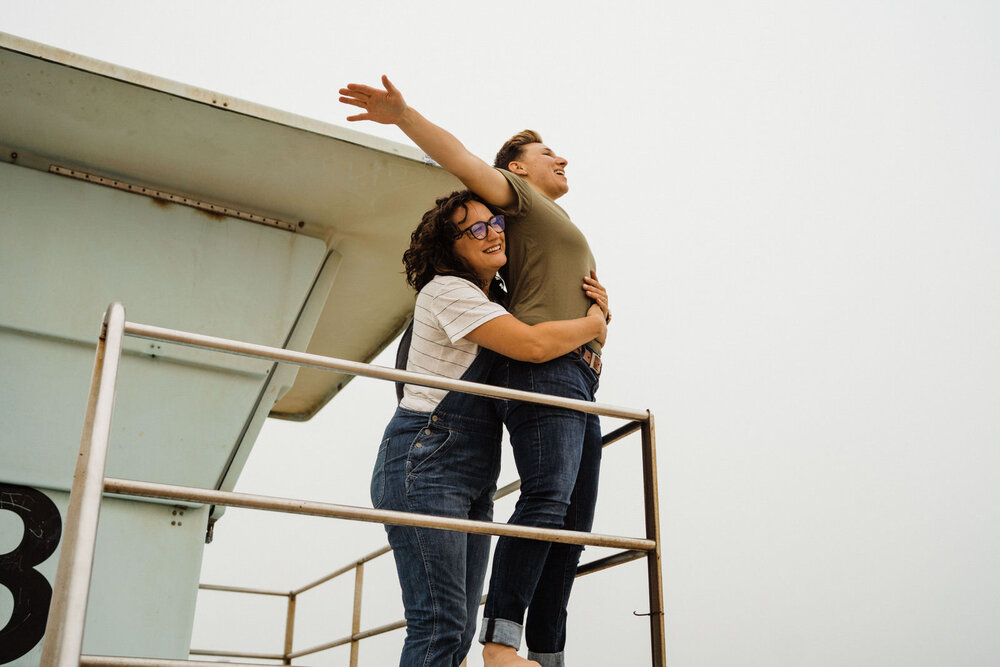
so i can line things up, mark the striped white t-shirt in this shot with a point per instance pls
(447, 309)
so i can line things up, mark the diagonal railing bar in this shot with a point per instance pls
(613, 436)
(372, 371)
(396, 518)
(382, 629)
(619, 558)
(240, 589)
(347, 568)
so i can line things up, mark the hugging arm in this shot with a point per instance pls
(547, 340)
(539, 342)
(389, 108)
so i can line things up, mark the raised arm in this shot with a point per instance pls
(545, 341)
(389, 108)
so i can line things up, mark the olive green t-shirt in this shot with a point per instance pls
(547, 258)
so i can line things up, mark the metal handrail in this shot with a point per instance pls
(67, 611)
(392, 517)
(598, 565)
(372, 371)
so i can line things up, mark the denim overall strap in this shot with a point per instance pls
(469, 412)
(402, 355)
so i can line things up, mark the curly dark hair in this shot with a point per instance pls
(432, 246)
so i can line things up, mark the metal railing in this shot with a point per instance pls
(358, 565)
(289, 654)
(67, 614)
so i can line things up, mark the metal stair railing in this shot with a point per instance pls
(357, 567)
(67, 613)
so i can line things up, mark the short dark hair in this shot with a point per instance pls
(514, 147)
(432, 245)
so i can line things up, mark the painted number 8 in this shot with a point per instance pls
(31, 591)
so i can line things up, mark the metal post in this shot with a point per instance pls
(68, 610)
(652, 499)
(289, 629)
(359, 579)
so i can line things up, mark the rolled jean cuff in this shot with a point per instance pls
(547, 659)
(501, 631)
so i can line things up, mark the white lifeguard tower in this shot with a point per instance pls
(197, 211)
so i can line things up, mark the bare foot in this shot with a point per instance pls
(499, 655)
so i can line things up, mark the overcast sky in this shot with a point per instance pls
(795, 208)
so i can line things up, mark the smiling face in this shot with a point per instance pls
(484, 257)
(543, 169)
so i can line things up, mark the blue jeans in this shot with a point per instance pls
(558, 457)
(445, 463)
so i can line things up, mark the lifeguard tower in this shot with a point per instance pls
(226, 228)
(198, 211)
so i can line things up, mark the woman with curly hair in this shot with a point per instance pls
(440, 453)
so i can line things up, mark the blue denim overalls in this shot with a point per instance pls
(445, 463)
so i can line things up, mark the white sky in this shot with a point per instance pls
(795, 208)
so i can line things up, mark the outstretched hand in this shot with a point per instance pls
(382, 106)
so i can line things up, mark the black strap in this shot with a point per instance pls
(402, 354)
